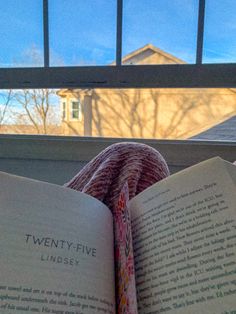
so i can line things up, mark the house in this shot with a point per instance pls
(226, 131)
(147, 113)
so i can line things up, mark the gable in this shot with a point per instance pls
(150, 54)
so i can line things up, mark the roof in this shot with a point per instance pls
(224, 131)
(150, 47)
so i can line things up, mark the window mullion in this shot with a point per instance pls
(46, 33)
(200, 34)
(119, 32)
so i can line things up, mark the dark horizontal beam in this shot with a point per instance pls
(140, 76)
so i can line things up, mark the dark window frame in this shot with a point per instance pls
(121, 76)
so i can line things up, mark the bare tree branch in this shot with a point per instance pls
(36, 105)
(7, 97)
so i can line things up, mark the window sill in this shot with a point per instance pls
(56, 158)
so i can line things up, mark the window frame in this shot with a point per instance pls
(196, 75)
(72, 110)
(63, 103)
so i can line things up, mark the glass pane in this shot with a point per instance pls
(82, 32)
(75, 114)
(122, 113)
(30, 111)
(220, 32)
(159, 31)
(21, 33)
(75, 105)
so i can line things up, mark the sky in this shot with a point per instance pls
(83, 32)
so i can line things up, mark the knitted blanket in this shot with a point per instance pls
(114, 177)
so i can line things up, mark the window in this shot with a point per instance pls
(95, 74)
(119, 55)
(75, 110)
(21, 35)
(219, 35)
(162, 24)
(73, 25)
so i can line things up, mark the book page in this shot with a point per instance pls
(184, 237)
(56, 250)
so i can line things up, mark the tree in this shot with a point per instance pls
(37, 109)
(5, 100)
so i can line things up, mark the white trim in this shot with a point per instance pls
(71, 101)
(70, 148)
(63, 115)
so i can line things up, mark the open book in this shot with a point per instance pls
(57, 251)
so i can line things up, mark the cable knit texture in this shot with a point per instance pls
(114, 177)
(104, 177)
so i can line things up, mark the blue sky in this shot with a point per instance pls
(83, 32)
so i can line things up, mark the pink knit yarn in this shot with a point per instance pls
(104, 177)
(115, 176)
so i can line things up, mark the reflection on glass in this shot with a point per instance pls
(21, 33)
(166, 31)
(82, 32)
(126, 113)
(220, 29)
